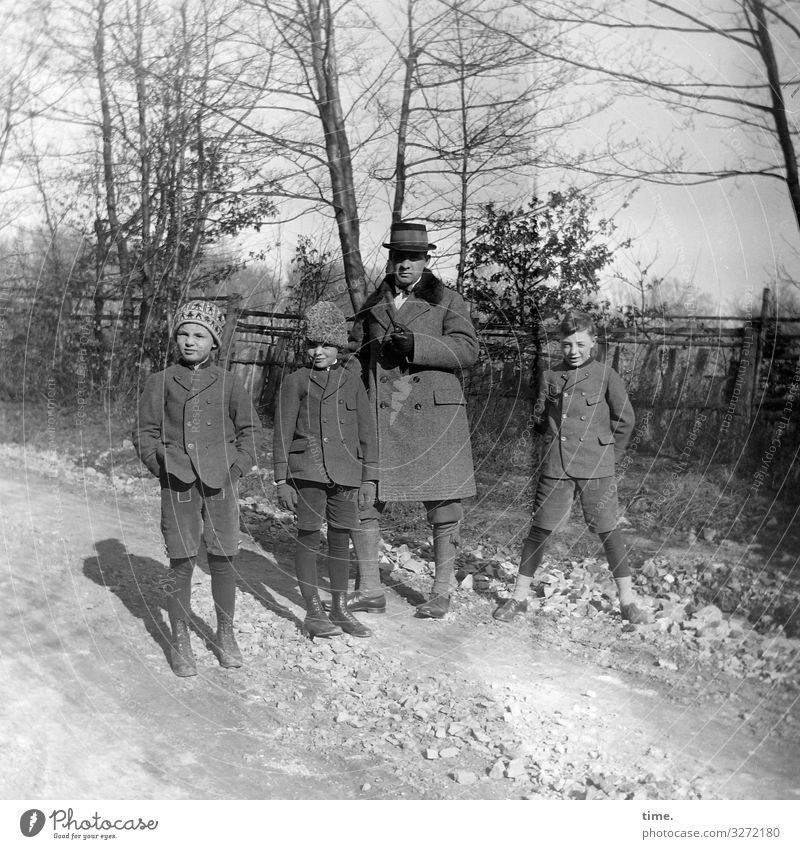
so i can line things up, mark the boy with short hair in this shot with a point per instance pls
(196, 431)
(583, 411)
(325, 454)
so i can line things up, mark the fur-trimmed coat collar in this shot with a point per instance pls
(429, 288)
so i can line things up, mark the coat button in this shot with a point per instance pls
(208, 423)
(583, 418)
(384, 379)
(340, 401)
(324, 420)
(190, 445)
(583, 393)
(341, 421)
(563, 438)
(383, 404)
(324, 438)
(415, 378)
(580, 439)
(417, 406)
(564, 416)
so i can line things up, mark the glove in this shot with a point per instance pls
(402, 341)
(287, 496)
(366, 495)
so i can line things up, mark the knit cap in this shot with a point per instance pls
(325, 323)
(205, 313)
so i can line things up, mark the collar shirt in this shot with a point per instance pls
(402, 296)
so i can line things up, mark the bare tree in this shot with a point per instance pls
(743, 89)
(479, 113)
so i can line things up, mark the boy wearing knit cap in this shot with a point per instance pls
(325, 456)
(196, 431)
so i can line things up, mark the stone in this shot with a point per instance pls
(463, 776)
(497, 770)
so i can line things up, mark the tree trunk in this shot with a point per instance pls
(767, 53)
(340, 166)
(116, 237)
(402, 129)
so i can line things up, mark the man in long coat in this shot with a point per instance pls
(415, 337)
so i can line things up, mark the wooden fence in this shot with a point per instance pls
(702, 378)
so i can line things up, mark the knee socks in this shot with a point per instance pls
(532, 553)
(223, 584)
(617, 556)
(338, 558)
(179, 589)
(305, 563)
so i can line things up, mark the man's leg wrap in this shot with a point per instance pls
(365, 542)
(446, 540)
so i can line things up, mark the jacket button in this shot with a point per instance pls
(342, 442)
(415, 378)
(341, 421)
(324, 420)
(190, 445)
(383, 404)
(563, 438)
(208, 423)
(417, 406)
(583, 393)
(564, 416)
(340, 401)
(324, 438)
(580, 439)
(384, 379)
(583, 418)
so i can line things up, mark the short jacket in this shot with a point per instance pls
(324, 427)
(586, 419)
(196, 424)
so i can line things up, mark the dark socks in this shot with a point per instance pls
(223, 584)
(533, 551)
(338, 559)
(179, 589)
(305, 564)
(532, 554)
(616, 553)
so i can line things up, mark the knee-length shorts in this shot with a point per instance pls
(554, 497)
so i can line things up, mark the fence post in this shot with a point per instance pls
(232, 312)
(758, 357)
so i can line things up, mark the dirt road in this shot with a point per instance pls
(453, 709)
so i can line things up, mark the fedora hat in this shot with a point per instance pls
(407, 236)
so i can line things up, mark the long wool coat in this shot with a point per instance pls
(423, 433)
(196, 423)
(324, 428)
(586, 418)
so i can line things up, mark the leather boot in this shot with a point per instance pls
(316, 623)
(342, 617)
(227, 650)
(181, 656)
